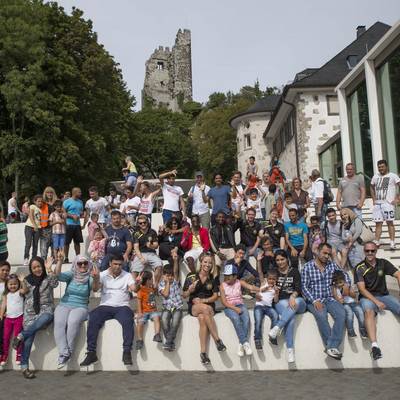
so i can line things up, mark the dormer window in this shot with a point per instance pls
(352, 61)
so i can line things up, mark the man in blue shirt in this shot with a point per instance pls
(221, 198)
(316, 288)
(296, 238)
(73, 208)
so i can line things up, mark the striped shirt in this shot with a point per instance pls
(3, 237)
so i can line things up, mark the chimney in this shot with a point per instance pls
(360, 30)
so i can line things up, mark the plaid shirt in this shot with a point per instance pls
(317, 285)
(174, 300)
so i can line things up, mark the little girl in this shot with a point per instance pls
(92, 227)
(316, 238)
(147, 309)
(12, 311)
(97, 247)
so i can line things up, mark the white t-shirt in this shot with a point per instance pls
(99, 207)
(11, 205)
(317, 190)
(285, 213)
(199, 207)
(133, 202)
(122, 207)
(171, 196)
(264, 188)
(146, 204)
(15, 305)
(115, 291)
(239, 198)
(385, 187)
(346, 299)
(255, 205)
(114, 200)
(267, 296)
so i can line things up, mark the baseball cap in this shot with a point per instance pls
(230, 269)
(199, 173)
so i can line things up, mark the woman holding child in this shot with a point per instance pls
(351, 230)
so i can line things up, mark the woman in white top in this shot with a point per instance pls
(147, 199)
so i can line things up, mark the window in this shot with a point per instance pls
(333, 105)
(352, 61)
(247, 141)
(160, 65)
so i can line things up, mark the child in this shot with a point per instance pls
(92, 227)
(12, 312)
(315, 234)
(263, 307)
(97, 247)
(57, 223)
(270, 200)
(170, 290)
(287, 205)
(235, 310)
(254, 202)
(252, 167)
(345, 294)
(147, 309)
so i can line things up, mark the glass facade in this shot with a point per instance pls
(330, 163)
(388, 75)
(360, 133)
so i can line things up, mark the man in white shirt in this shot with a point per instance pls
(173, 196)
(385, 198)
(131, 205)
(198, 193)
(238, 194)
(12, 206)
(96, 205)
(317, 194)
(116, 286)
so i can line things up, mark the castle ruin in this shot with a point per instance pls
(168, 79)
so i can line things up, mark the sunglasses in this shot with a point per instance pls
(142, 223)
(80, 263)
(370, 251)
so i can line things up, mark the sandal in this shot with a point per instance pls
(28, 374)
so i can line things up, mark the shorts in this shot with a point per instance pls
(383, 212)
(194, 253)
(149, 316)
(392, 304)
(73, 232)
(58, 240)
(152, 261)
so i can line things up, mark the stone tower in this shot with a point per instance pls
(168, 79)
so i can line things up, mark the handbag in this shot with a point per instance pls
(366, 234)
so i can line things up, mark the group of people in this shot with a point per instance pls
(297, 266)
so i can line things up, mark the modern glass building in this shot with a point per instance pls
(369, 104)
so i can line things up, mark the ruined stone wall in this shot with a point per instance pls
(168, 77)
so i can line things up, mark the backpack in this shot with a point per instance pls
(328, 195)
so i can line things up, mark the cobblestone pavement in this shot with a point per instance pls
(378, 384)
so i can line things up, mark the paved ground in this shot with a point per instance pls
(364, 384)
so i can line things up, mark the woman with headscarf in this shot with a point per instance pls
(72, 310)
(351, 231)
(38, 308)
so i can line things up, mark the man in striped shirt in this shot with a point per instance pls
(316, 286)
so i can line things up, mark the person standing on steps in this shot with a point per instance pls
(383, 192)
(173, 196)
(199, 193)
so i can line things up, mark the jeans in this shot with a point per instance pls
(167, 215)
(101, 314)
(205, 220)
(323, 213)
(392, 304)
(287, 317)
(331, 337)
(170, 322)
(29, 335)
(351, 309)
(357, 211)
(241, 322)
(259, 313)
(31, 239)
(45, 241)
(67, 323)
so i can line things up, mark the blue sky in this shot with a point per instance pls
(233, 42)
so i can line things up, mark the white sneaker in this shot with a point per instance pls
(290, 356)
(3, 363)
(392, 246)
(247, 349)
(274, 332)
(240, 351)
(26, 262)
(334, 353)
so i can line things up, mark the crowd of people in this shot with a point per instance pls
(252, 239)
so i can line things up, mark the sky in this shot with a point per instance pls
(234, 42)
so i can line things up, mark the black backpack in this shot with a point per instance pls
(328, 195)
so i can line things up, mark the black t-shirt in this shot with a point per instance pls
(267, 263)
(117, 240)
(289, 283)
(249, 233)
(202, 290)
(275, 233)
(242, 267)
(374, 277)
(143, 238)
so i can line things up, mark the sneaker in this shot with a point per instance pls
(273, 341)
(258, 343)
(247, 349)
(91, 358)
(240, 351)
(392, 246)
(204, 359)
(16, 342)
(290, 356)
(157, 338)
(334, 353)
(28, 374)
(139, 344)
(275, 332)
(3, 363)
(26, 262)
(127, 358)
(376, 353)
(62, 361)
(351, 333)
(363, 333)
(220, 345)
(377, 242)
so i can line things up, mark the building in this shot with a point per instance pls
(304, 130)
(250, 126)
(168, 78)
(369, 103)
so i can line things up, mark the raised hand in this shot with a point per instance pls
(49, 263)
